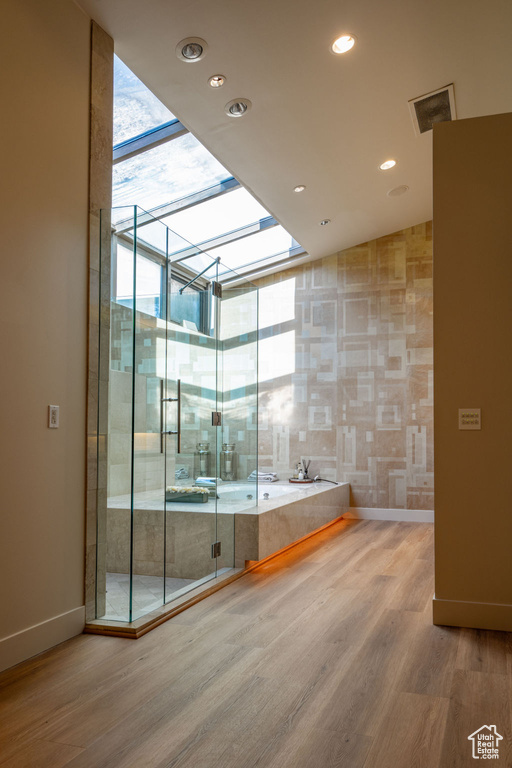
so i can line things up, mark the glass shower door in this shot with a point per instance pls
(132, 524)
(191, 453)
(178, 393)
(238, 400)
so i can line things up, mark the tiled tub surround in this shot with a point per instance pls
(190, 528)
(274, 524)
(346, 375)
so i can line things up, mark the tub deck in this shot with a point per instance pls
(262, 530)
(259, 530)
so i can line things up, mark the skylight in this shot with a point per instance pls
(161, 167)
(136, 109)
(168, 172)
(254, 248)
(217, 216)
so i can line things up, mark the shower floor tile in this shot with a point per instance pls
(147, 594)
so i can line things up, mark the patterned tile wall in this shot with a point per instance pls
(351, 350)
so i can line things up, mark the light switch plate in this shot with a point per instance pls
(470, 418)
(53, 416)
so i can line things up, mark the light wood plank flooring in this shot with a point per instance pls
(324, 656)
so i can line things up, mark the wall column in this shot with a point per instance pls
(100, 198)
(473, 369)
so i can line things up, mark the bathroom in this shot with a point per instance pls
(328, 361)
(51, 483)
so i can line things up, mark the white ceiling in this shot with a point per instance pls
(318, 119)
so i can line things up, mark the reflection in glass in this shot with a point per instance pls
(149, 282)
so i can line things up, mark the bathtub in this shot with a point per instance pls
(291, 512)
(242, 491)
(261, 528)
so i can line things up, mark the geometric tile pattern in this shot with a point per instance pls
(359, 401)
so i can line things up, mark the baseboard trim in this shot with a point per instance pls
(405, 515)
(40, 637)
(462, 613)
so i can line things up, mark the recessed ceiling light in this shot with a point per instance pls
(324, 222)
(299, 188)
(396, 191)
(217, 81)
(387, 165)
(237, 107)
(191, 49)
(343, 44)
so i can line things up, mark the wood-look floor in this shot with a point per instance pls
(325, 656)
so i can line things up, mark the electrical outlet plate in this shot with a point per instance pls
(53, 416)
(470, 418)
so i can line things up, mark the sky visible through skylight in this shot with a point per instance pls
(136, 109)
(166, 173)
(178, 168)
(222, 214)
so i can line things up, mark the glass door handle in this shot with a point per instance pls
(162, 400)
(171, 431)
(178, 427)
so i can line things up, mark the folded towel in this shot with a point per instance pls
(208, 482)
(266, 477)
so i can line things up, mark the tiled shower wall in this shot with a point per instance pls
(205, 366)
(346, 347)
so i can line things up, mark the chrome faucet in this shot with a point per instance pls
(318, 479)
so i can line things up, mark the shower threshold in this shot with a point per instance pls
(147, 594)
(183, 597)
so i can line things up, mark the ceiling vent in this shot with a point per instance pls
(435, 107)
(396, 191)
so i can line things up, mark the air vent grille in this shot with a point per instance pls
(435, 107)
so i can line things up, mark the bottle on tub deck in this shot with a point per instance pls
(228, 461)
(202, 460)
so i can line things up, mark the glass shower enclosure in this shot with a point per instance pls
(178, 398)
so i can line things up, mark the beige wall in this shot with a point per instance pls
(43, 306)
(473, 368)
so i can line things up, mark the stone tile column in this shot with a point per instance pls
(100, 199)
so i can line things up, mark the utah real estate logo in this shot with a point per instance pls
(485, 743)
